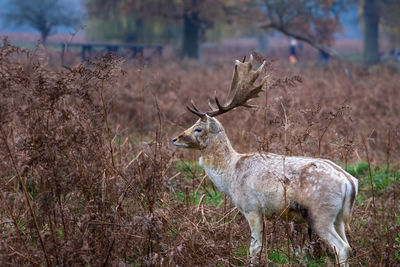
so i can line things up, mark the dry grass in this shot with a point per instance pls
(88, 175)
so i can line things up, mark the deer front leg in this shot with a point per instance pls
(256, 228)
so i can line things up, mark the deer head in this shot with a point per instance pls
(199, 135)
(242, 89)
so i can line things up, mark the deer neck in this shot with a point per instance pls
(217, 159)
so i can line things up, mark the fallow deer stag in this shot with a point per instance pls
(311, 190)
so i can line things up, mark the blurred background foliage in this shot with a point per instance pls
(186, 24)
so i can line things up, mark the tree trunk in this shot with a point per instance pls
(43, 38)
(371, 34)
(44, 33)
(139, 29)
(135, 35)
(191, 29)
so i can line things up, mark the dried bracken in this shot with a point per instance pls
(88, 177)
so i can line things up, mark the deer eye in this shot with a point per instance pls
(198, 130)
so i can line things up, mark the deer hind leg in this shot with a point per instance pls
(328, 233)
(256, 228)
(339, 227)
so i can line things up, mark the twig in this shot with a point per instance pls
(388, 146)
(229, 212)
(109, 253)
(23, 256)
(369, 173)
(107, 124)
(26, 194)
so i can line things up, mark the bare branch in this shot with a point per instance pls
(331, 52)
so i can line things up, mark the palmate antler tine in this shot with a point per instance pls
(250, 63)
(234, 83)
(261, 67)
(258, 72)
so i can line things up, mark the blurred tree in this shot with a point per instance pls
(125, 28)
(43, 15)
(198, 16)
(379, 16)
(390, 22)
(192, 24)
(123, 20)
(311, 21)
(194, 16)
(371, 36)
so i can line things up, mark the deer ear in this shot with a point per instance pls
(213, 125)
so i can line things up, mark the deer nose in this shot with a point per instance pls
(174, 140)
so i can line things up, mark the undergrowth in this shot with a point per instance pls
(88, 176)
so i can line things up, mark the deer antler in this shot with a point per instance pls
(242, 89)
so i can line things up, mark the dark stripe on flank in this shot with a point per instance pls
(353, 186)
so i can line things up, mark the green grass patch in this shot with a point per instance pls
(313, 262)
(241, 252)
(278, 257)
(189, 169)
(211, 198)
(382, 176)
(207, 192)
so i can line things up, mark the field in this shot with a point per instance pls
(89, 176)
